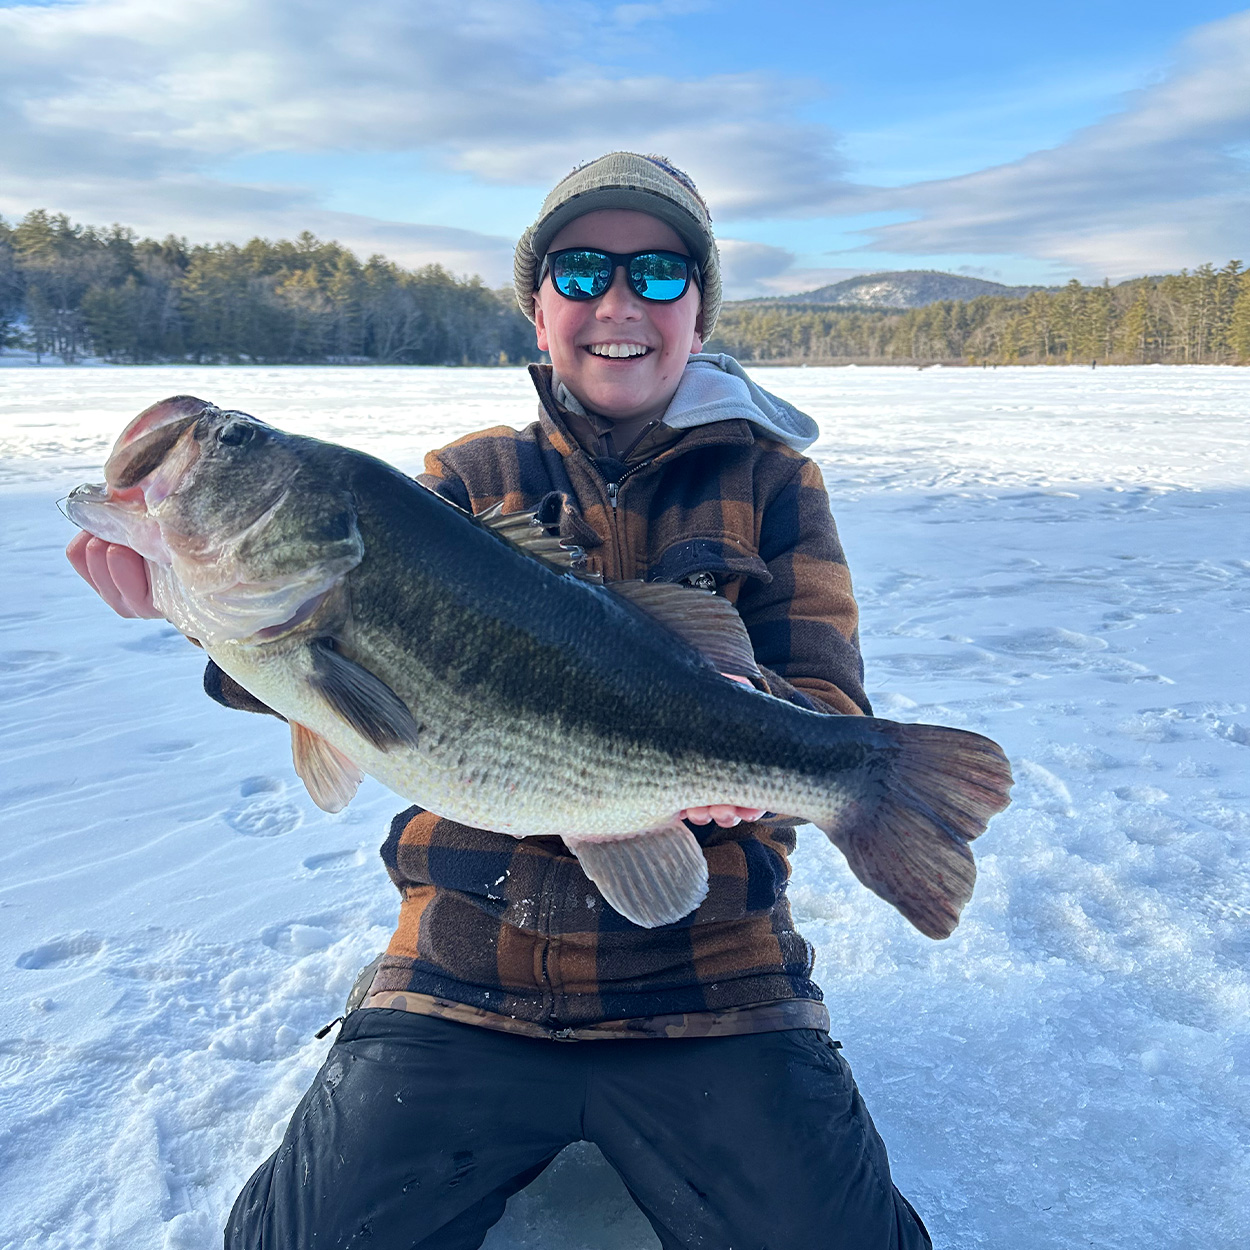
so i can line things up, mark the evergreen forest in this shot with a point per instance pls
(73, 291)
(1185, 318)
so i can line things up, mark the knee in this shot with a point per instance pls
(245, 1229)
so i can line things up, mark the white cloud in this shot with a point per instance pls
(757, 270)
(128, 102)
(1162, 184)
(119, 110)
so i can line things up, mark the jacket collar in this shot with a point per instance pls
(555, 420)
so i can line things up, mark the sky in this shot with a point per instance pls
(1016, 143)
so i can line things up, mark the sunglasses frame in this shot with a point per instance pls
(619, 260)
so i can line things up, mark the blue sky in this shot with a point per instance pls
(1088, 140)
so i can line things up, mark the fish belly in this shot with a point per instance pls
(476, 764)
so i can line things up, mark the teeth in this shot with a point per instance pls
(616, 350)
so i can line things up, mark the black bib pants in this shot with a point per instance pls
(417, 1130)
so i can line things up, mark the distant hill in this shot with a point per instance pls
(911, 288)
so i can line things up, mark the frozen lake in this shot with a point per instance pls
(1059, 558)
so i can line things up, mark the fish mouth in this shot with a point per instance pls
(154, 450)
(147, 464)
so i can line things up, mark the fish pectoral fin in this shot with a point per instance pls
(709, 623)
(652, 878)
(330, 778)
(362, 699)
(524, 530)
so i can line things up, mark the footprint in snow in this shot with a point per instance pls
(170, 750)
(298, 939)
(263, 810)
(333, 861)
(62, 952)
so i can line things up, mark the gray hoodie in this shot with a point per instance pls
(715, 387)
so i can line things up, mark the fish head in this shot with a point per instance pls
(241, 525)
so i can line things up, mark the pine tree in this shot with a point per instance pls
(1239, 322)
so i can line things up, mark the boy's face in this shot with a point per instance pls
(621, 388)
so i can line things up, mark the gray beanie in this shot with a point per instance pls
(647, 184)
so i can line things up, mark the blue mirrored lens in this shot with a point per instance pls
(585, 273)
(658, 275)
(581, 275)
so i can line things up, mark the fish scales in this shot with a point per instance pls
(614, 752)
(405, 639)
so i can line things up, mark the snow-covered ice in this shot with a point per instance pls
(1056, 557)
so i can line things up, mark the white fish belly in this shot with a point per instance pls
(480, 767)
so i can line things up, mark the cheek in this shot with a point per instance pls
(557, 326)
(677, 325)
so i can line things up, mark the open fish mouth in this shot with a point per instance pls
(156, 449)
(149, 460)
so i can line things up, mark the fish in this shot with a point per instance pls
(470, 664)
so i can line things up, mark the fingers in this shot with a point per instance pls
(129, 571)
(101, 579)
(723, 814)
(116, 573)
(76, 552)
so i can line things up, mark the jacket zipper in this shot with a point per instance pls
(614, 488)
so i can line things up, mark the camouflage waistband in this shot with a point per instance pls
(792, 1013)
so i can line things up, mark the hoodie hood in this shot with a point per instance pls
(715, 387)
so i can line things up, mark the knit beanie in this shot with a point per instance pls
(647, 184)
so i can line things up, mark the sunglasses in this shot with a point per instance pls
(585, 273)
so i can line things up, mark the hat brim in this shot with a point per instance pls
(636, 199)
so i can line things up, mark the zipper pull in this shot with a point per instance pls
(613, 488)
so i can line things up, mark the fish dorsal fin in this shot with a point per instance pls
(330, 778)
(708, 622)
(652, 878)
(362, 699)
(524, 530)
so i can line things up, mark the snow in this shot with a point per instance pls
(1055, 557)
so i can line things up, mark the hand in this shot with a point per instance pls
(119, 575)
(724, 814)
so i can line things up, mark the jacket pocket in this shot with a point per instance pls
(725, 559)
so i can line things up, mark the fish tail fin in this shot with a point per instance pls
(907, 838)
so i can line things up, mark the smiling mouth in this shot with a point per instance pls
(618, 351)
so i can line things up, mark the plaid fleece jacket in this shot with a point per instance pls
(511, 933)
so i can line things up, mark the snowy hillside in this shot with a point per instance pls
(910, 288)
(1056, 557)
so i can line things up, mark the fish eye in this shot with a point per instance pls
(235, 433)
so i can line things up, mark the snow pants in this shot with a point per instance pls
(417, 1130)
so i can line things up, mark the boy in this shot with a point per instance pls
(514, 1012)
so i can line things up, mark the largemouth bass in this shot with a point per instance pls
(465, 663)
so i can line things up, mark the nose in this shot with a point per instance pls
(619, 302)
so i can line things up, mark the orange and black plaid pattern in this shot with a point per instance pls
(514, 927)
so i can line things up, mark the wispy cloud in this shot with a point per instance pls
(122, 109)
(130, 101)
(754, 270)
(1161, 184)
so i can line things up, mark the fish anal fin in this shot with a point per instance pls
(329, 776)
(909, 841)
(524, 531)
(708, 622)
(653, 878)
(362, 699)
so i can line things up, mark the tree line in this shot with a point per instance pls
(1199, 317)
(69, 290)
